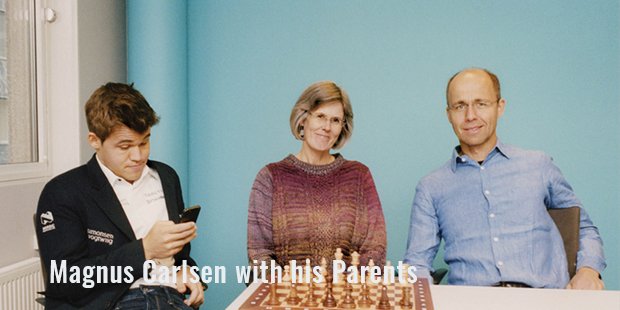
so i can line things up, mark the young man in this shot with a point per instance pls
(99, 223)
(489, 203)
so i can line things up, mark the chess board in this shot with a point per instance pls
(420, 297)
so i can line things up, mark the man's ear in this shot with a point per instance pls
(501, 106)
(94, 141)
(448, 114)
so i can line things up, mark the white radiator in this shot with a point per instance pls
(19, 284)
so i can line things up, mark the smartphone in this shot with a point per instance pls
(190, 214)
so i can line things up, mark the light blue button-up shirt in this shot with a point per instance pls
(494, 221)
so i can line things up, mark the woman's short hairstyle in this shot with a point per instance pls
(116, 104)
(315, 95)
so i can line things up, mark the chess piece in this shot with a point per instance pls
(348, 302)
(338, 255)
(355, 262)
(310, 299)
(323, 265)
(388, 274)
(273, 295)
(405, 302)
(329, 300)
(365, 301)
(355, 258)
(384, 301)
(371, 265)
(292, 298)
(286, 278)
(324, 269)
(307, 272)
(403, 274)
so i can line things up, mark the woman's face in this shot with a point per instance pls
(323, 126)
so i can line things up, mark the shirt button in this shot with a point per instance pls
(481, 167)
(500, 263)
(495, 239)
(487, 192)
(492, 215)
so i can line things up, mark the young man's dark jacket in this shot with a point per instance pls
(80, 220)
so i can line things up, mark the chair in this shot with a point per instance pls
(41, 300)
(567, 221)
(438, 275)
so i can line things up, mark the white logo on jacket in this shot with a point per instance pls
(47, 220)
(100, 236)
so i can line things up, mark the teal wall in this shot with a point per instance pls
(248, 61)
(157, 65)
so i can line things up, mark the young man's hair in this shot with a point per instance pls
(115, 104)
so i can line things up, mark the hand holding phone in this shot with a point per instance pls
(190, 214)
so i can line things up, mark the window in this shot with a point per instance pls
(21, 147)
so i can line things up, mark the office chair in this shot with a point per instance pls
(567, 221)
(40, 300)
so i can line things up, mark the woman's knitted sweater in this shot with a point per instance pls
(300, 211)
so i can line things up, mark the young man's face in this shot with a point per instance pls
(125, 151)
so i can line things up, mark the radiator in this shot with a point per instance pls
(19, 284)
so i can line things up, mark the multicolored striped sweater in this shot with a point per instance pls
(300, 211)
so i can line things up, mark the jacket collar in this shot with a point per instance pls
(105, 197)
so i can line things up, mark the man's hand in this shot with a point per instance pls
(196, 297)
(586, 278)
(167, 238)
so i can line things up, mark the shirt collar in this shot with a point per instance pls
(113, 179)
(500, 148)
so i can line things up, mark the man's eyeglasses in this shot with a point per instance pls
(324, 119)
(478, 106)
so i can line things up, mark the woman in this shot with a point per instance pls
(309, 204)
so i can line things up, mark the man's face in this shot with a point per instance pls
(125, 151)
(473, 110)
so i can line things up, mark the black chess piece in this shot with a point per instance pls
(273, 295)
(292, 298)
(310, 299)
(365, 301)
(384, 301)
(405, 302)
(348, 302)
(329, 300)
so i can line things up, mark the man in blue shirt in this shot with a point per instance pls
(489, 203)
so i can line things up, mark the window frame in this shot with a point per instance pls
(40, 168)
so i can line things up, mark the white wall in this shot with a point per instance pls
(102, 53)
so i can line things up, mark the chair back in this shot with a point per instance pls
(567, 221)
(40, 300)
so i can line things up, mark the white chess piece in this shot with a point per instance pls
(324, 269)
(388, 272)
(308, 272)
(371, 265)
(338, 255)
(286, 278)
(404, 275)
(355, 259)
(355, 262)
